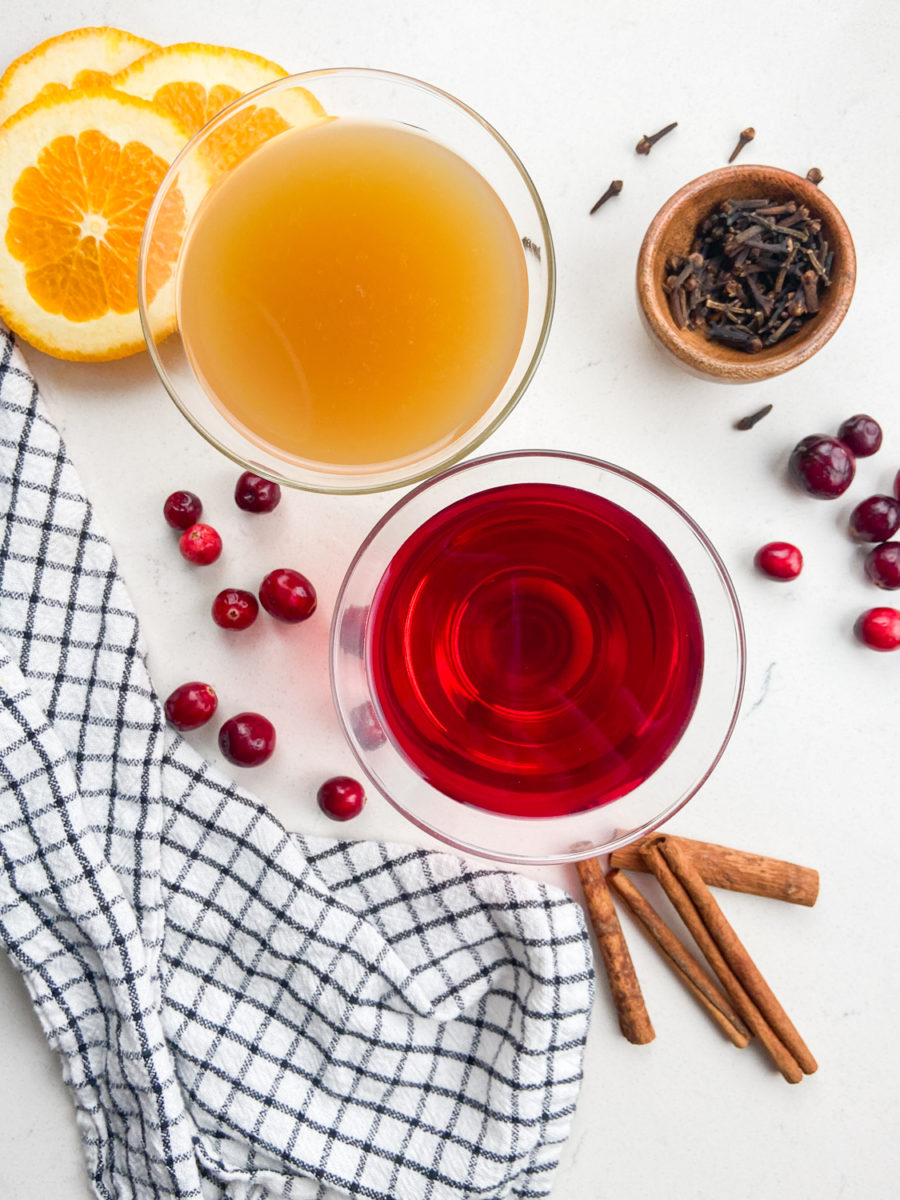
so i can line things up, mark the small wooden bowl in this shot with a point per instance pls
(672, 231)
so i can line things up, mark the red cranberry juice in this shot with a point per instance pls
(535, 650)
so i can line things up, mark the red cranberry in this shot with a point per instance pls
(287, 595)
(182, 509)
(254, 494)
(875, 519)
(822, 466)
(200, 544)
(883, 565)
(897, 485)
(862, 434)
(341, 798)
(235, 608)
(779, 560)
(879, 628)
(248, 739)
(191, 706)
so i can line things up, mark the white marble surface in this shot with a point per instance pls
(811, 772)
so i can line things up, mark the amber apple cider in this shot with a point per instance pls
(353, 294)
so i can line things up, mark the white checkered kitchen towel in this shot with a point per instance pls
(242, 1012)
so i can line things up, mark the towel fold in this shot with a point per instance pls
(240, 1011)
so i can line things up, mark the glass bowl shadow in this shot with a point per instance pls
(361, 94)
(606, 826)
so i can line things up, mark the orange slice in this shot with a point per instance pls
(194, 82)
(80, 58)
(78, 173)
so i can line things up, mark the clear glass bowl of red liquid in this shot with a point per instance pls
(537, 657)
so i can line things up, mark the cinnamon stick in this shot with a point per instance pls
(689, 971)
(735, 954)
(750, 1014)
(721, 866)
(634, 1020)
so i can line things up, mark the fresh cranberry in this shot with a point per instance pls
(182, 509)
(254, 494)
(287, 595)
(897, 485)
(248, 739)
(191, 705)
(879, 628)
(200, 544)
(779, 560)
(822, 466)
(883, 565)
(366, 726)
(875, 519)
(341, 798)
(862, 434)
(235, 608)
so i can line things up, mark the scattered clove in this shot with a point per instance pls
(646, 144)
(746, 135)
(814, 175)
(613, 190)
(749, 421)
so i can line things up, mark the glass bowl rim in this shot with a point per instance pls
(371, 482)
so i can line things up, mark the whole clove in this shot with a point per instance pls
(737, 337)
(757, 269)
(646, 144)
(613, 190)
(814, 175)
(746, 135)
(753, 418)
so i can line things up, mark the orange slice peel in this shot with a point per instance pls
(80, 58)
(195, 81)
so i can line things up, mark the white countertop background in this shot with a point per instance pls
(811, 773)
